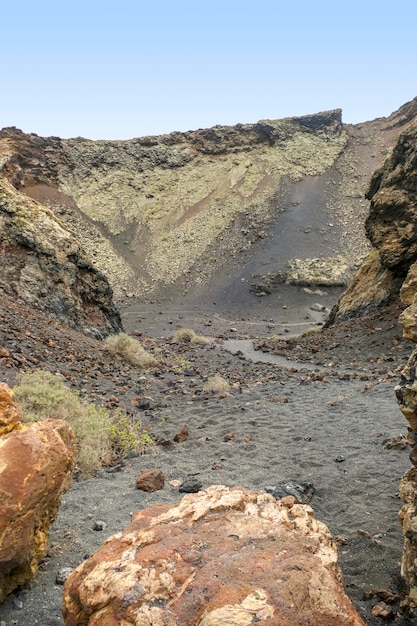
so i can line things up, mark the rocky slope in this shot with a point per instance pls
(43, 265)
(383, 291)
(244, 208)
(273, 225)
(391, 229)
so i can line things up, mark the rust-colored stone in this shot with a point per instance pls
(150, 480)
(182, 435)
(221, 556)
(36, 462)
(9, 412)
(383, 611)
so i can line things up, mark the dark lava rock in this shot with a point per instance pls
(190, 485)
(302, 492)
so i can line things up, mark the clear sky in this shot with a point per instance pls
(128, 68)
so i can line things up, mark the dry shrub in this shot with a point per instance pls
(99, 433)
(186, 335)
(129, 350)
(216, 384)
(312, 330)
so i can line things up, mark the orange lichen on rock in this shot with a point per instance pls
(220, 556)
(9, 412)
(36, 462)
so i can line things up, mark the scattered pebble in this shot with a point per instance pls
(62, 575)
(182, 435)
(383, 610)
(302, 492)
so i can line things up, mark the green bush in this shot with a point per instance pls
(128, 434)
(129, 349)
(100, 434)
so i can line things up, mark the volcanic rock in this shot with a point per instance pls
(391, 223)
(390, 272)
(222, 556)
(182, 435)
(217, 196)
(44, 266)
(36, 461)
(150, 480)
(9, 412)
(371, 287)
(391, 227)
(302, 492)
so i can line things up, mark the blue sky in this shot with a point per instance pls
(125, 69)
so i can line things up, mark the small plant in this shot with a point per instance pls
(216, 384)
(128, 434)
(275, 337)
(178, 364)
(385, 357)
(186, 335)
(129, 350)
(100, 434)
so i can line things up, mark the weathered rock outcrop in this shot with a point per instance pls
(391, 227)
(389, 272)
(36, 462)
(43, 265)
(391, 224)
(222, 556)
(371, 287)
(171, 214)
(406, 392)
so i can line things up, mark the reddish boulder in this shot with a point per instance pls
(221, 556)
(36, 462)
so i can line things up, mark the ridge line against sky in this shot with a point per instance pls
(121, 70)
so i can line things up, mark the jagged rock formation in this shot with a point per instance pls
(43, 264)
(272, 202)
(390, 272)
(400, 253)
(406, 392)
(222, 556)
(391, 227)
(36, 462)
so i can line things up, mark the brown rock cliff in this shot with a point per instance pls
(43, 265)
(391, 227)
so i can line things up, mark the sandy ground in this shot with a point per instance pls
(279, 422)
